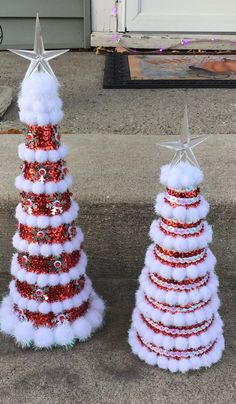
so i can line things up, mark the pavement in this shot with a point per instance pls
(116, 179)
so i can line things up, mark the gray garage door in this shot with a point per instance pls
(65, 23)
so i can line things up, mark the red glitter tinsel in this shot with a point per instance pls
(51, 319)
(50, 294)
(45, 204)
(178, 225)
(48, 265)
(49, 235)
(183, 194)
(44, 172)
(42, 137)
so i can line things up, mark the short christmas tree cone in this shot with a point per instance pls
(175, 324)
(51, 300)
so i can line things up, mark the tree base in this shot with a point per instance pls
(176, 365)
(62, 335)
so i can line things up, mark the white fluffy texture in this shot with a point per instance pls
(39, 102)
(180, 243)
(43, 280)
(179, 274)
(176, 297)
(38, 188)
(182, 343)
(61, 335)
(177, 319)
(56, 307)
(48, 249)
(173, 365)
(45, 221)
(182, 175)
(180, 213)
(41, 156)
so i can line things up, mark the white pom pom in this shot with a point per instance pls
(180, 213)
(24, 333)
(8, 323)
(41, 156)
(31, 278)
(184, 365)
(33, 249)
(45, 250)
(43, 221)
(64, 335)
(82, 328)
(42, 280)
(43, 338)
(38, 188)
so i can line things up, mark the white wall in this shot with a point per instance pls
(104, 19)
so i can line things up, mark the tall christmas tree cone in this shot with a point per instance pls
(51, 300)
(175, 324)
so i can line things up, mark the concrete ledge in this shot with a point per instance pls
(5, 99)
(114, 169)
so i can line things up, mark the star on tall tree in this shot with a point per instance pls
(183, 147)
(38, 57)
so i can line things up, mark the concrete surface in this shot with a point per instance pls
(91, 109)
(116, 181)
(5, 99)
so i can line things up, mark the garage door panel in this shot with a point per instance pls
(45, 8)
(57, 33)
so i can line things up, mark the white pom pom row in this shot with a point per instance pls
(180, 213)
(41, 156)
(42, 221)
(26, 333)
(177, 273)
(180, 243)
(173, 297)
(179, 319)
(55, 307)
(174, 365)
(45, 279)
(48, 249)
(182, 175)
(182, 343)
(38, 188)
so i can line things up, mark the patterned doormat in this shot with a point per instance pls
(170, 71)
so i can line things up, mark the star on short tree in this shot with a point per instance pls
(38, 57)
(183, 147)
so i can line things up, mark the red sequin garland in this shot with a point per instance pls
(49, 235)
(172, 284)
(166, 308)
(44, 172)
(158, 327)
(178, 254)
(45, 204)
(174, 353)
(186, 206)
(42, 137)
(48, 265)
(50, 294)
(183, 193)
(179, 225)
(51, 319)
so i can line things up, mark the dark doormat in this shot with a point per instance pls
(170, 71)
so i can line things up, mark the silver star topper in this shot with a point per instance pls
(183, 147)
(38, 57)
